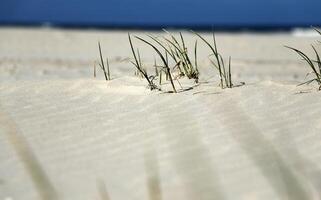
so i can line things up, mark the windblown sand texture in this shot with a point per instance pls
(258, 141)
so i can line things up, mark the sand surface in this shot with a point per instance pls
(257, 141)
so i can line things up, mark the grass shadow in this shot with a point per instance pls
(280, 176)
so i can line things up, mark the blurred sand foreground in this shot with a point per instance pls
(258, 141)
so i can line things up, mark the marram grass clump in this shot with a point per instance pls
(176, 61)
(315, 65)
(164, 60)
(178, 52)
(139, 66)
(218, 63)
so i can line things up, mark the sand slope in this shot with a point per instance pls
(213, 143)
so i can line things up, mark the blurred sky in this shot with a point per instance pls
(163, 13)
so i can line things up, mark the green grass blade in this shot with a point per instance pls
(182, 50)
(317, 30)
(102, 61)
(183, 56)
(223, 65)
(168, 51)
(318, 61)
(108, 70)
(214, 42)
(101, 56)
(214, 64)
(162, 58)
(182, 39)
(218, 60)
(206, 42)
(305, 57)
(174, 45)
(215, 53)
(138, 65)
(195, 55)
(132, 48)
(230, 73)
(308, 82)
(173, 38)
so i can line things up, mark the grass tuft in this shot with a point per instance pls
(139, 67)
(315, 65)
(218, 63)
(176, 61)
(178, 52)
(164, 60)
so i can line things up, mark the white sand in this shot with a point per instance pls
(258, 141)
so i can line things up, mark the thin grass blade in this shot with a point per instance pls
(318, 62)
(229, 72)
(305, 57)
(162, 58)
(108, 70)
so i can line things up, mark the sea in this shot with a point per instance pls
(156, 14)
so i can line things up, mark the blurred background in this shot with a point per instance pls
(155, 14)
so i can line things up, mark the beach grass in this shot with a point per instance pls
(102, 65)
(315, 65)
(176, 61)
(164, 60)
(139, 66)
(184, 63)
(178, 52)
(218, 63)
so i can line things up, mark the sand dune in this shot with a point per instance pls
(258, 141)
